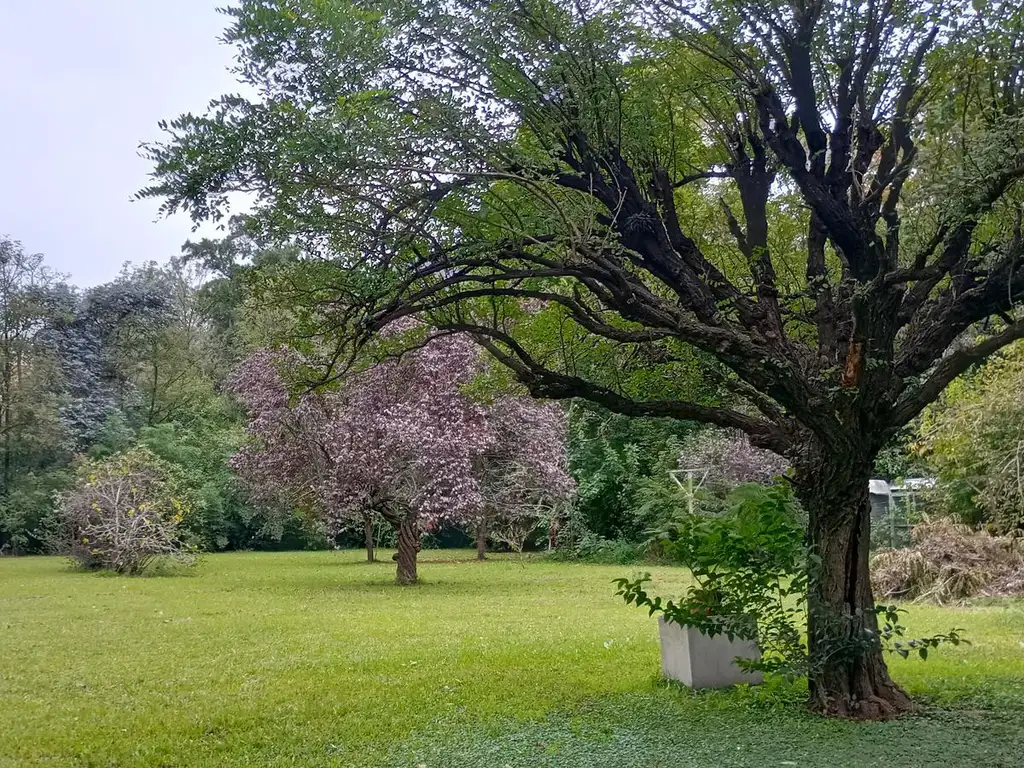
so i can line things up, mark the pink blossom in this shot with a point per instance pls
(401, 437)
(730, 458)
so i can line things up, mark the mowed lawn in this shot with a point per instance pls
(317, 659)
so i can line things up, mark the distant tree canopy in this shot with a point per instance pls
(134, 363)
(815, 204)
(33, 452)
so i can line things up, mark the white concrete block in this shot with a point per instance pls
(699, 661)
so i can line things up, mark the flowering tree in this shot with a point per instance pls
(285, 463)
(729, 458)
(401, 439)
(404, 440)
(524, 477)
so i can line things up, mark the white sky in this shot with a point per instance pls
(82, 82)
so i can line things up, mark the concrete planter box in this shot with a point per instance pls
(699, 661)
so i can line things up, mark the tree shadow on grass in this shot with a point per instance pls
(671, 729)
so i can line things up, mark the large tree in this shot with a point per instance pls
(815, 202)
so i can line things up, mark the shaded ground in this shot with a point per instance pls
(315, 659)
(657, 730)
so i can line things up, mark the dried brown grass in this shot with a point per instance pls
(949, 563)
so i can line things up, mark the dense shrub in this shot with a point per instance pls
(751, 574)
(123, 512)
(652, 500)
(748, 566)
(591, 548)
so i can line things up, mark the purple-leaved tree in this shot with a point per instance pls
(285, 463)
(401, 439)
(729, 458)
(524, 476)
(404, 439)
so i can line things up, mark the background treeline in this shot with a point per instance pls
(88, 373)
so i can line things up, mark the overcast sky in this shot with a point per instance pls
(82, 82)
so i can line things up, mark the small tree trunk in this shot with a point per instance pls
(368, 535)
(408, 546)
(481, 539)
(848, 676)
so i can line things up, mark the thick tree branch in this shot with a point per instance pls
(949, 368)
(543, 382)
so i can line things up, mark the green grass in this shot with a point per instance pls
(316, 659)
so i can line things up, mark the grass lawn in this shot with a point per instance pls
(316, 659)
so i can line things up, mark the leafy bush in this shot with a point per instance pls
(27, 511)
(611, 551)
(752, 573)
(577, 542)
(749, 573)
(199, 454)
(125, 511)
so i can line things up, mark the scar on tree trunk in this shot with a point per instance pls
(848, 675)
(408, 547)
(854, 364)
(481, 539)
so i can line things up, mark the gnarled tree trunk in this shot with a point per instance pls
(408, 547)
(848, 675)
(368, 535)
(481, 538)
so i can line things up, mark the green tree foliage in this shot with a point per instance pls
(135, 363)
(616, 460)
(33, 448)
(974, 438)
(243, 294)
(200, 452)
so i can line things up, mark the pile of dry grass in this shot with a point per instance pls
(948, 563)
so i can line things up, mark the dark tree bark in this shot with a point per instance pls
(368, 537)
(848, 676)
(408, 548)
(481, 539)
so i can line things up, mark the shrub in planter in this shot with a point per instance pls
(748, 567)
(751, 571)
(123, 512)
